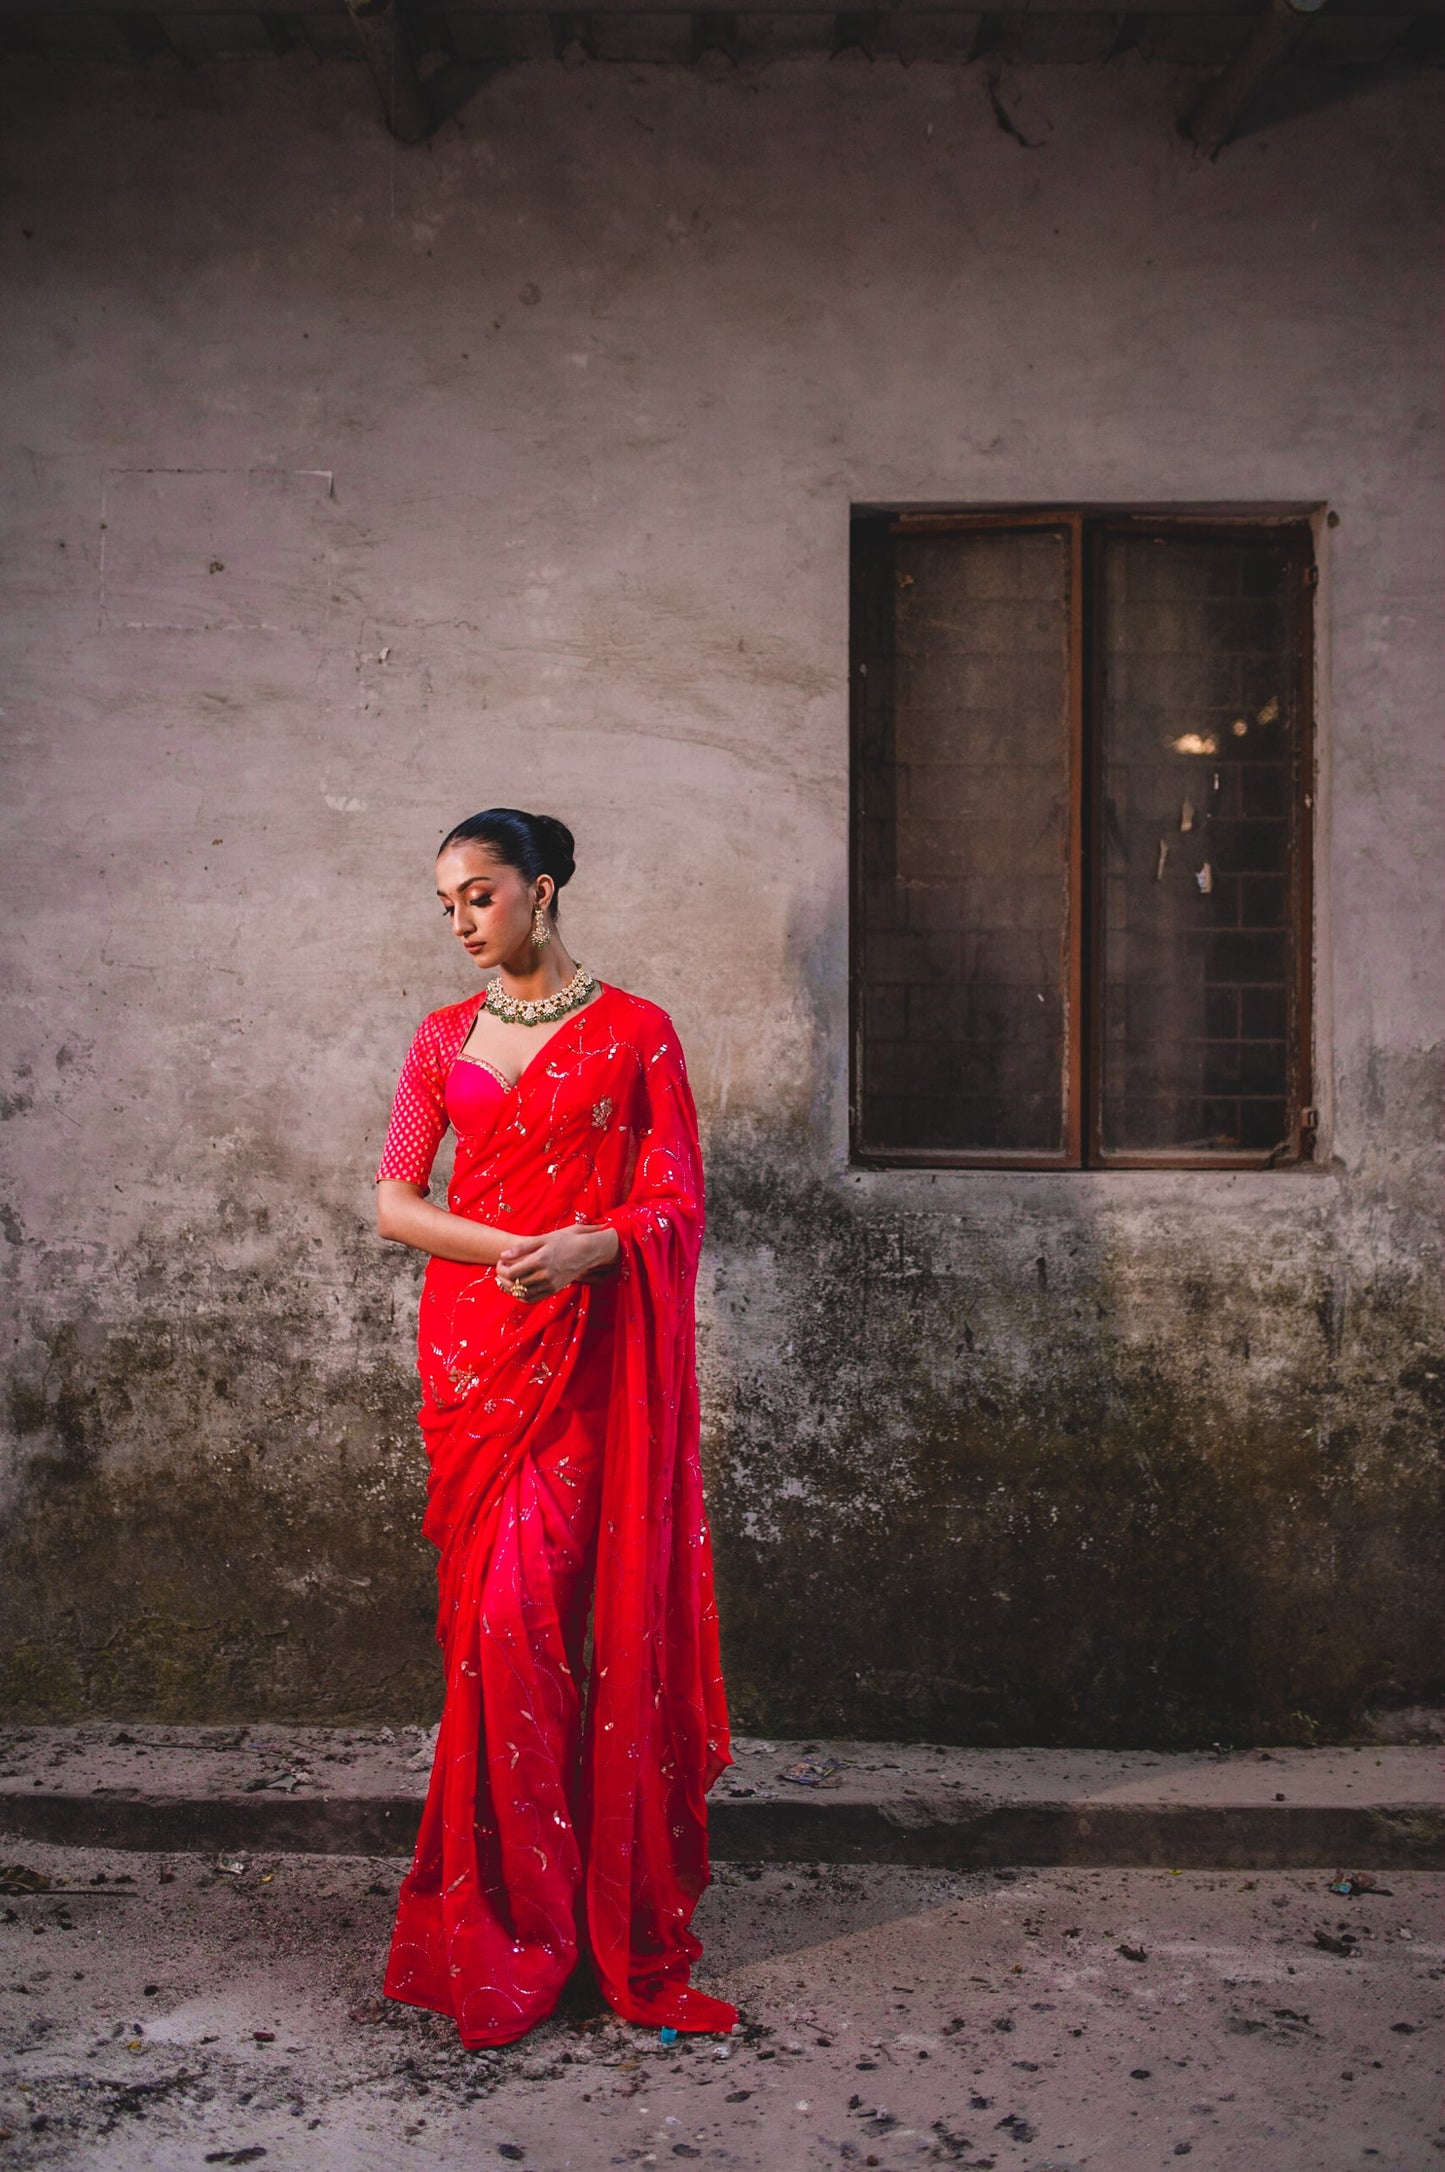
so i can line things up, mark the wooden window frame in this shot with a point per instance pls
(1088, 531)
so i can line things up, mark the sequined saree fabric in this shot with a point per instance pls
(566, 1813)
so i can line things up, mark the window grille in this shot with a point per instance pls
(1081, 839)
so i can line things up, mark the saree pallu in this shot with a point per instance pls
(562, 1440)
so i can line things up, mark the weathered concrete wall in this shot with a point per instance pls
(351, 488)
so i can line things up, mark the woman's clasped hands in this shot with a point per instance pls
(533, 1267)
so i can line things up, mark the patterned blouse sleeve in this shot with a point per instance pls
(418, 1112)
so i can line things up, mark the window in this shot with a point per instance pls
(1080, 851)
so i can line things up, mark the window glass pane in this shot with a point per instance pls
(963, 826)
(1199, 675)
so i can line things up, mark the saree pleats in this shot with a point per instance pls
(566, 1812)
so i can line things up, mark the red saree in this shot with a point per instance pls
(562, 1437)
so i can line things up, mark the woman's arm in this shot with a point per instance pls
(542, 1265)
(418, 1122)
(407, 1216)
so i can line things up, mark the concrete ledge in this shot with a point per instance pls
(1259, 1836)
(338, 1792)
(345, 1825)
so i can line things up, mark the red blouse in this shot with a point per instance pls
(436, 1089)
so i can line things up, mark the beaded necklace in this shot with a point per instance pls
(543, 1009)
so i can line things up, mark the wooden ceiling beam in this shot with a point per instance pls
(1424, 11)
(381, 32)
(1276, 33)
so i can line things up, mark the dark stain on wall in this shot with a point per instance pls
(978, 1491)
(969, 1482)
(220, 1494)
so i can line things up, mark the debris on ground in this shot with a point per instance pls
(423, 1759)
(815, 1772)
(23, 1883)
(20, 1878)
(254, 2011)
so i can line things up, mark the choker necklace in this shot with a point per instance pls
(541, 1012)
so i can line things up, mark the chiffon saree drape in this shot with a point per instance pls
(566, 1813)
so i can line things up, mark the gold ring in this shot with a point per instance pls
(517, 1289)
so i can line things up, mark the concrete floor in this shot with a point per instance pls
(174, 2014)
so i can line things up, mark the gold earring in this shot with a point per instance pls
(541, 929)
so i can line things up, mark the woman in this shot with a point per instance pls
(556, 1349)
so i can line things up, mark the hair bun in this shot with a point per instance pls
(534, 844)
(556, 847)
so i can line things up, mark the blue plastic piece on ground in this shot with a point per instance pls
(669, 2036)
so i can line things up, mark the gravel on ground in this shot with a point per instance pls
(175, 2011)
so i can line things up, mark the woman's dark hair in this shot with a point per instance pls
(535, 844)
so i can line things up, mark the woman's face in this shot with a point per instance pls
(490, 905)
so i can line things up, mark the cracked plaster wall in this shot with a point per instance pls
(349, 488)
